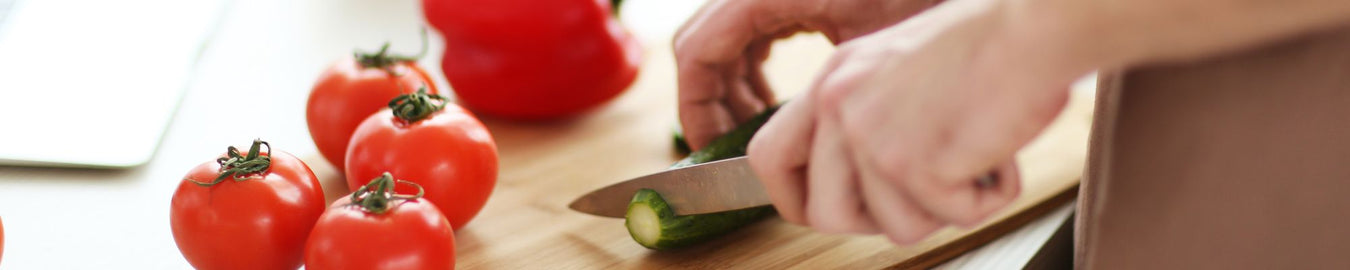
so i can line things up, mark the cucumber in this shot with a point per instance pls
(728, 145)
(653, 224)
(681, 146)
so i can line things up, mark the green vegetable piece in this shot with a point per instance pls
(681, 145)
(654, 225)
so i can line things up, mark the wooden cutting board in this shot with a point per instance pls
(527, 225)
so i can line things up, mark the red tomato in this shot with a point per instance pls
(257, 216)
(448, 152)
(353, 89)
(392, 233)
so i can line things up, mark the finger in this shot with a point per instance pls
(1007, 185)
(898, 217)
(868, 17)
(951, 194)
(742, 101)
(702, 11)
(893, 211)
(710, 52)
(702, 117)
(756, 56)
(833, 204)
(702, 63)
(753, 93)
(778, 153)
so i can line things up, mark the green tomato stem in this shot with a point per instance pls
(382, 59)
(240, 166)
(377, 196)
(416, 106)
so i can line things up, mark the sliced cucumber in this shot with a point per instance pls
(654, 225)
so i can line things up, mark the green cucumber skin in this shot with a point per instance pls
(680, 231)
(681, 145)
(728, 145)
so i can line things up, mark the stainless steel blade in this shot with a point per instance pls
(705, 188)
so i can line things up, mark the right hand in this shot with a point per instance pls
(720, 49)
(899, 124)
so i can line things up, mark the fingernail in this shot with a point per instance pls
(987, 181)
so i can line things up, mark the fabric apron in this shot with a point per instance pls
(1234, 162)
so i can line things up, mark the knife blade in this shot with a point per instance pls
(710, 187)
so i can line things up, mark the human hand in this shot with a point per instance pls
(720, 49)
(893, 133)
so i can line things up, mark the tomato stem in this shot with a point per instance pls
(240, 166)
(416, 106)
(375, 197)
(382, 59)
(614, 7)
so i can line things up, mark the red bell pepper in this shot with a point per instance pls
(533, 59)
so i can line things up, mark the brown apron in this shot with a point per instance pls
(1236, 162)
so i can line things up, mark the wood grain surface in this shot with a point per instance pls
(544, 165)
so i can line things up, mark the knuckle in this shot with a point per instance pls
(891, 164)
(765, 159)
(760, 161)
(687, 53)
(832, 94)
(826, 221)
(681, 53)
(679, 39)
(859, 127)
(685, 61)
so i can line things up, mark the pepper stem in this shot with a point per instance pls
(416, 106)
(376, 196)
(240, 166)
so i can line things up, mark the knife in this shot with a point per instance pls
(711, 187)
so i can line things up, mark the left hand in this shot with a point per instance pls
(720, 49)
(892, 135)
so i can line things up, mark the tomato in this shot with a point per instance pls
(440, 146)
(353, 89)
(374, 229)
(249, 210)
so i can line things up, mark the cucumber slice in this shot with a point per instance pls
(654, 225)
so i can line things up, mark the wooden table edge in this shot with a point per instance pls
(988, 233)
